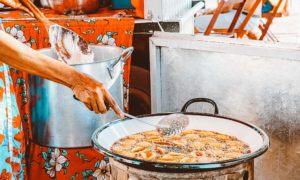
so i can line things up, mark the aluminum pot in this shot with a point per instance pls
(74, 7)
(44, 3)
(104, 137)
(58, 120)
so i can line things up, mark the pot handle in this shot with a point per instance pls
(124, 56)
(187, 104)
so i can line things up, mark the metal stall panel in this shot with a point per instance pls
(249, 80)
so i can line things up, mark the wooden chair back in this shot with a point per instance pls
(264, 27)
(222, 4)
(241, 29)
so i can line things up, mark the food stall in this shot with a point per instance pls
(240, 97)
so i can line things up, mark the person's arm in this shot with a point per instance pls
(92, 93)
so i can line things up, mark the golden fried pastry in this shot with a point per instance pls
(128, 142)
(144, 144)
(148, 155)
(137, 149)
(198, 145)
(190, 146)
(136, 136)
(192, 136)
(180, 143)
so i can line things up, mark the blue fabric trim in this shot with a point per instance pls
(267, 7)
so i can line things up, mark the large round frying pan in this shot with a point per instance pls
(104, 137)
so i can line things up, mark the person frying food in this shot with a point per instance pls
(14, 53)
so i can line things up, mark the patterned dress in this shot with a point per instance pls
(47, 162)
(12, 144)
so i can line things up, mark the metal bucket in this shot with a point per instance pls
(58, 120)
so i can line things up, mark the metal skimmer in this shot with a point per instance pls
(169, 125)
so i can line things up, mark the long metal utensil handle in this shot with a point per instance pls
(136, 118)
(38, 14)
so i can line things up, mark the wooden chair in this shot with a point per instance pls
(264, 27)
(222, 4)
(240, 31)
(282, 8)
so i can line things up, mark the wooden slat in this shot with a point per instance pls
(240, 32)
(237, 16)
(214, 18)
(223, 4)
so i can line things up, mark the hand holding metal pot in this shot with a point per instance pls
(55, 106)
(94, 95)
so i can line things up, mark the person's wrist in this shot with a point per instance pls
(75, 78)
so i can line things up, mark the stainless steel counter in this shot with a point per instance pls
(252, 81)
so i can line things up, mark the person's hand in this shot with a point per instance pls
(94, 95)
(16, 4)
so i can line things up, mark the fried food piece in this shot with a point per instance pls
(198, 145)
(127, 142)
(222, 137)
(137, 149)
(167, 158)
(160, 150)
(151, 133)
(162, 143)
(176, 137)
(148, 155)
(205, 133)
(136, 136)
(192, 136)
(143, 144)
(188, 131)
(180, 143)
(175, 154)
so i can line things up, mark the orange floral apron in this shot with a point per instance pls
(104, 27)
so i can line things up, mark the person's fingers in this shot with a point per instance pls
(100, 104)
(113, 104)
(88, 106)
(95, 106)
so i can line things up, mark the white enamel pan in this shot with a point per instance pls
(104, 137)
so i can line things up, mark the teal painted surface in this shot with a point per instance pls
(121, 4)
